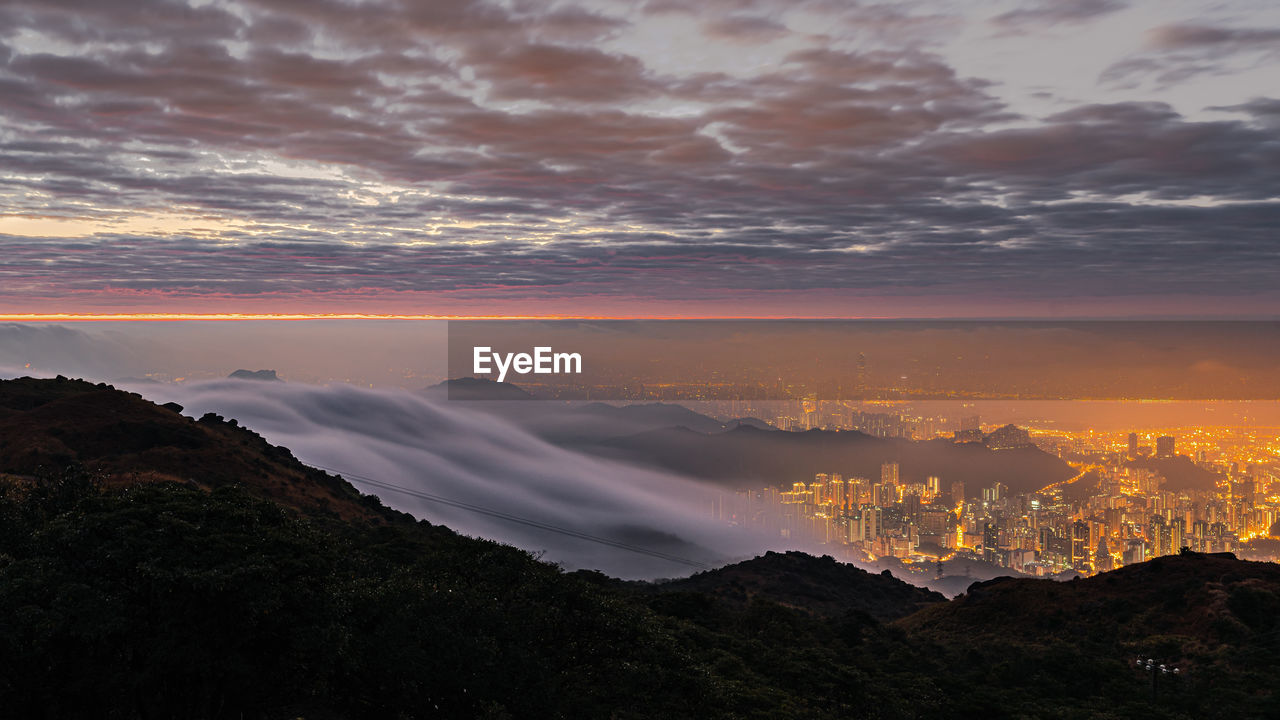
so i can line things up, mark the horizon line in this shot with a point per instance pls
(232, 317)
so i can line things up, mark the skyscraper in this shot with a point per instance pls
(1133, 445)
(995, 493)
(1102, 556)
(1164, 446)
(990, 542)
(871, 518)
(836, 491)
(1080, 545)
(889, 473)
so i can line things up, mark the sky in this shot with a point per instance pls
(813, 158)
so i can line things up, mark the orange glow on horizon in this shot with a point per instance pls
(169, 317)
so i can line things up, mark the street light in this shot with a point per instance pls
(1156, 671)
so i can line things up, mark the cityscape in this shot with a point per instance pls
(1135, 496)
(730, 360)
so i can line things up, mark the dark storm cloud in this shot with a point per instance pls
(396, 146)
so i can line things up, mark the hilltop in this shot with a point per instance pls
(1179, 473)
(46, 425)
(1199, 604)
(265, 375)
(816, 585)
(1214, 617)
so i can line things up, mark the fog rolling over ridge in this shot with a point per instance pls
(460, 454)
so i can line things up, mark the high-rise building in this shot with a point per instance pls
(1164, 446)
(934, 520)
(857, 532)
(1079, 545)
(995, 493)
(871, 517)
(836, 491)
(889, 473)
(817, 491)
(1177, 539)
(855, 490)
(957, 492)
(1133, 445)
(883, 494)
(911, 505)
(990, 542)
(1244, 490)
(1158, 536)
(1135, 551)
(932, 487)
(1102, 556)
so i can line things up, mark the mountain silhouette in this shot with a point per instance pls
(267, 375)
(210, 575)
(469, 388)
(817, 585)
(50, 424)
(747, 457)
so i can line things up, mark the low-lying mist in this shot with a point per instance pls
(472, 457)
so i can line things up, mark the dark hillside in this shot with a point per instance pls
(820, 586)
(125, 594)
(50, 424)
(1214, 617)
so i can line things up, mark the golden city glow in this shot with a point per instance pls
(1119, 507)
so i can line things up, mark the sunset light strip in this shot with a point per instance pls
(167, 317)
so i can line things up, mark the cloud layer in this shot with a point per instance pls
(393, 155)
(466, 456)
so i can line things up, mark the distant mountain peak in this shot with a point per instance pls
(473, 388)
(268, 375)
(1007, 437)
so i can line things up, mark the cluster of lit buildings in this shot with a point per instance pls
(1117, 513)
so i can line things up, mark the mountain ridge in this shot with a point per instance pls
(49, 424)
(745, 457)
(820, 586)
